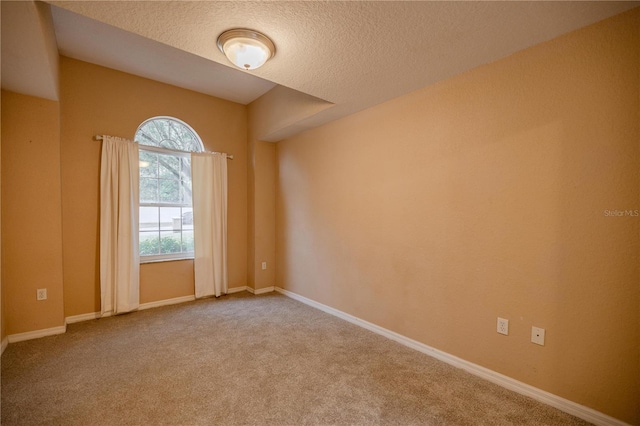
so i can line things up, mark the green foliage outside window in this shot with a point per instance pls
(169, 244)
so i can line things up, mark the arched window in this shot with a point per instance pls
(169, 133)
(166, 215)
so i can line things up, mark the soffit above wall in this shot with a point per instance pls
(29, 50)
(92, 41)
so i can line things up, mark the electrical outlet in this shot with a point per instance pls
(537, 336)
(41, 294)
(503, 326)
(264, 265)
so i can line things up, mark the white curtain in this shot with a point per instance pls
(209, 181)
(119, 255)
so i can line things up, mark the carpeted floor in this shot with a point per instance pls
(245, 360)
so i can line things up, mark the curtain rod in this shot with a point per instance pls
(99, 138)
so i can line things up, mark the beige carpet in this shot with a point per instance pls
(243, 359)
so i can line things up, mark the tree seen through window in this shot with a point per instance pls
(166, 214)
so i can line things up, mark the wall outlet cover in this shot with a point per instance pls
(41, 294)
(503, 326)
(537, 335)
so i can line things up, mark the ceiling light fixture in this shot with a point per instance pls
(246, 49)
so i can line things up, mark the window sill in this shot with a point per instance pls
(143, 261)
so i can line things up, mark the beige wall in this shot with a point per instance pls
(31, 214)
(485, 196)
(265, 212)
(251, 240)
(2, 322)
(277, 113)
(261, 214)
(2, 326)
(167, 280)
(97, 100)
(261, 168)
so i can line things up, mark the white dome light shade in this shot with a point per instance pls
(246, 49)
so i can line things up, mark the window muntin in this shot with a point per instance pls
(166, 214)
(164, 178)
(170, 133)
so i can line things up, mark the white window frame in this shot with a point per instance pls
(175, 153)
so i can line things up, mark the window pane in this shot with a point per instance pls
(185, 171)
(187, 240)
(148, 164)
(149, 219)
(189, 140)
(169, 167)
(149, 243)
(170, 242)
(187, 218)
(186, 180)
(170, 219)
(158, 128)
(144, 138)
(169, 191)
(148, 190)
(186, 192)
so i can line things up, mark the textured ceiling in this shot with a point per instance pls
(353, 54)
(93, 41)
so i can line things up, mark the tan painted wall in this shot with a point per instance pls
(2, 322)
(277, 113)
(265, 212)
(251, 188)
(96, 100)
(261, 214)
(31, 214)
(2, 326)
(485, 196)
(264, 115)
(168, 279)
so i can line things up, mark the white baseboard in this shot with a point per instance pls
(84, 317)
(12, 338)
(142, 307)
(166, 302)
(261, 290)
(555, 401)
(19, 337)
(5, 343)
